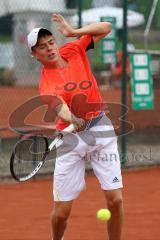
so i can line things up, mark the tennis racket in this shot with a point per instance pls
(30, 152)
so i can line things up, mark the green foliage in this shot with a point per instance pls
(86, 4)
(152, 46)
(144, 7)
(5, 38)
(6, 77)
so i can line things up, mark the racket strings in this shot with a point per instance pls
(28, 154)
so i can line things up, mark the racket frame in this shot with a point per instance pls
(37, 168)
(48, 149)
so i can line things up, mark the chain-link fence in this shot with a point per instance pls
(20, 73)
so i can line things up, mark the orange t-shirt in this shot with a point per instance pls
(74, 84)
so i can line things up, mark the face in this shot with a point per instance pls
(46, 50)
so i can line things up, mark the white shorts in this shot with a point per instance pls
(97, 145)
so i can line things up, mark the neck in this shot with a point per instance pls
(60, 63)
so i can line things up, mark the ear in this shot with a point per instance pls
(33, 54)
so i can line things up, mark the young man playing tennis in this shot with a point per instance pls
(66, 74)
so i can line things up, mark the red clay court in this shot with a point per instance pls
(25, 209)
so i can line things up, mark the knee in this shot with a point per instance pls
(59, 215)
(115, 203)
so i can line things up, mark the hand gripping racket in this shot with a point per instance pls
(30, 153)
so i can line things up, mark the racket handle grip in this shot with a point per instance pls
(69, 129)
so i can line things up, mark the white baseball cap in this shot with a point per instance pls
(32, 37)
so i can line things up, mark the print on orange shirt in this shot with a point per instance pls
(75, 83)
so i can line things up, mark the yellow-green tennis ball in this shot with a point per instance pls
(104, 214)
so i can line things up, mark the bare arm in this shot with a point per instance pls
(58, 108)
(97, 30)
(64, 113)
